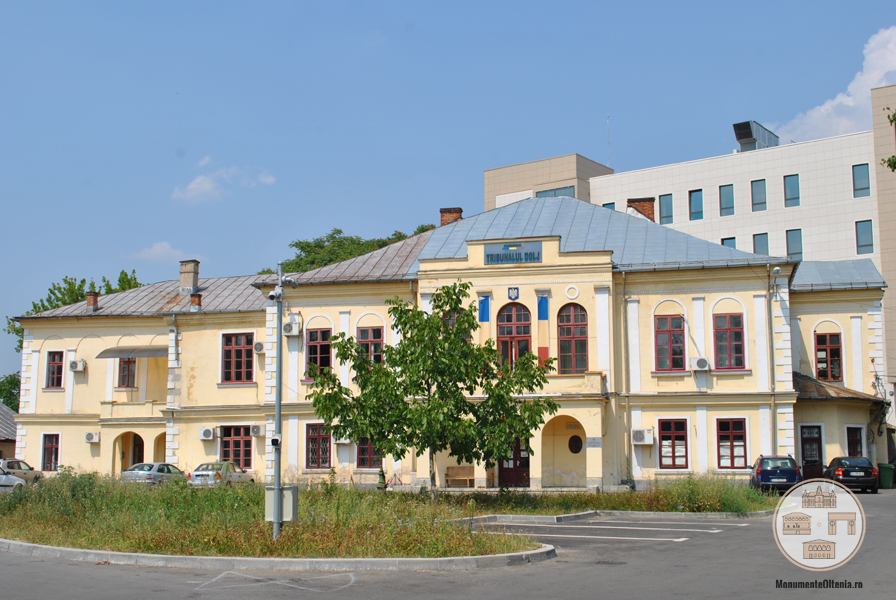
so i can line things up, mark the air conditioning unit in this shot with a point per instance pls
(172, 329)
(77, 365)
(642, 437)
(206, 433)
(257, 430)
(258, 347)
(292, 327)
(92, 437)
(700, 364)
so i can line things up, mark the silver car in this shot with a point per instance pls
(20, 469)
(219, 473)
(152, 473)
(10, 483)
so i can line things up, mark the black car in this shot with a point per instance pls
(855, 472)
(775, 472)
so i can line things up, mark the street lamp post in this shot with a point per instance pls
(278, 396)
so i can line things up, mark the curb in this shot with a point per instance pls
(232, 563)
(612, 513)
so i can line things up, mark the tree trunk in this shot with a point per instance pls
(432, 474)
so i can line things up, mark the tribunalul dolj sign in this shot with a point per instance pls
(513, 253)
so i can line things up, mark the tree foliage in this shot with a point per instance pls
(890, 163)
(10, 386)
(435, 389)
(69, 291)
(336, 247)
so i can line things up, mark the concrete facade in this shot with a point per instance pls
(518, 182)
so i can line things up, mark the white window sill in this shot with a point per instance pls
(324, 471)
(53, 390)
(658, 471)
(125, 389)
(737, 471)
(670, 373)
(246, 384)
(724, 372)
(367, 470)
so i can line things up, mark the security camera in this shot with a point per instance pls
(276, 439)
(776, 271)
(275, 293)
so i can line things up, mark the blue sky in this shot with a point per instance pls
(134, 135)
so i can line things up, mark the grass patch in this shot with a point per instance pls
(703, 493)
(97, 512)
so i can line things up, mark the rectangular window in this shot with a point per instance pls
(236, 445)
(371, 339)
(127, 372)
(729, 243)
(610, 205)
(572, 333)
(670, 343)
(791, 190)
(318, 349)
(861, 181)
(665, 209)
(317, 446)
(795, 244)
(728, 334)
(695, 203)
(368, 456)
(864, 238)
(828, 357)
(673, 443)
(732, 443)
(854, 441)
(50, 458)
(557, 192)
(54, 370)
(237, 358)
(726, 200)
(760, 243)
(757, 189)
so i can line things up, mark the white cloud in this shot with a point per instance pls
(849, 111)
(162, 252)
(211, 185)
(204, 161)
(203, 187)
(266, 178)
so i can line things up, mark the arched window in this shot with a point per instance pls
(572, 333)
(514, 332)
(828, 355)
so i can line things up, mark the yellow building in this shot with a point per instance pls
(675, 355)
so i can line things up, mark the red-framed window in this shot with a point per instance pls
(514, 332)
(50, 456)
(317, 446)
(236, 445)
(368, 455)
(318, 349)
(731, 443)
(854, 441)
(54, 370)
(237, 358)
(127, 372)
(669, 331)
(673, 443)
(450, 319)
(371, 339)
(728, 334)
(572, 335)
(828, 357)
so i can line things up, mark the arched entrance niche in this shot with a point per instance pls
(563, 453)
(158, 452)
(128, 450)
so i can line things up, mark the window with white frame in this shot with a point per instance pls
(731, 443)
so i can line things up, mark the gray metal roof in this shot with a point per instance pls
(221, 294)
(7, 423)
(637, 244)
(860, 274)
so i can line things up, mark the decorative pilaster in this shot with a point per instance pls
(270, 352)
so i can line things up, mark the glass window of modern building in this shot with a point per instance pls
(665, 209)
(726, 200)
(695, 202)
(791, 190)
(564, 191)
(729, 242)
(610, 205)
(760, 243)
(757, 189)
(864, 238)
(861, 182)
(795, 244)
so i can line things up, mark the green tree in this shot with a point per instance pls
(336, 247)
(70, 291)
(890, 163)
(10, 386)
(435, 389)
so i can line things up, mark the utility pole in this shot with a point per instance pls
(277, 295)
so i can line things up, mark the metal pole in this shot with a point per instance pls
(278, 504)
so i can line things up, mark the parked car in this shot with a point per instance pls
(20, 469)
(775, 472)
(854, 472)
(219, 473)
(152, 473)
(10, 483)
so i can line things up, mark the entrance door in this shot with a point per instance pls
(810, 451)
(137, 451)
(514, 471)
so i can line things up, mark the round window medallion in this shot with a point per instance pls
(572, 292)
(575, 444)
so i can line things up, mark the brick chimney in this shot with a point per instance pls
(645, 206)
(189, 276)
(195, 302)
(450, 215)
(93, 303)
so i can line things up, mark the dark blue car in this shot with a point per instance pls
(775, 472)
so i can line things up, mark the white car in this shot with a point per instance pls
(10, 483)
(219, 473)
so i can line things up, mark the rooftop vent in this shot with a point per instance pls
(450, 215)
(189, 277)
(753, 136)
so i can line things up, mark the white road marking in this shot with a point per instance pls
(673, 523)
(216, 584)
(595, 537)
(608, 527)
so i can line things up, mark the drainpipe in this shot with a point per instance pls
(627, 379)
(771, 353)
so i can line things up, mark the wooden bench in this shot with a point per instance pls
(462, 475)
